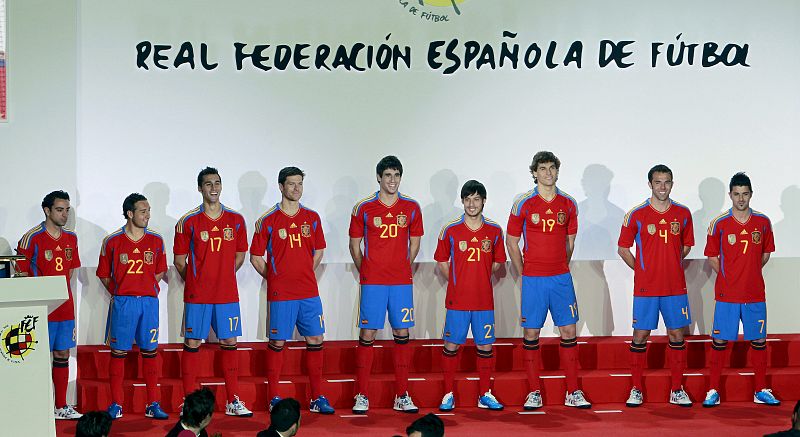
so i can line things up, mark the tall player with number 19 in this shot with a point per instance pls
(210, 246)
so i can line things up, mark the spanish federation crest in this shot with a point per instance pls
(535, 218)
(731, 239)
(204, 235)
(227, 234)
(305, 230)
(402, 220)
(561, 217)
(462, 246)
(48, 255)
(377, 222)
(148, 256)
(123, 258)
(282, 233)
(651, 229)
(756, 235)
(675, 228)
(486, 245)
(68, 253)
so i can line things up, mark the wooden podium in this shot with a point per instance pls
(26, 407)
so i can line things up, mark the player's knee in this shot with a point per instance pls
(568, 331)
(401, 339)
(758, 344)
(63, 355)
(719, 345)
(368, 334)
(276, 345)
(675, 335)
(530, 344)
(364, 342)
(315, 339)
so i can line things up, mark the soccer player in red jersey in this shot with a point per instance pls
(390, 225)
(546, 219)
(210, 246)
(292, 237)
(663, 232)
(132, 263)
(469, 250)
(738, 246)
(51, 250)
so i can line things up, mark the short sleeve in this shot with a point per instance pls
(712, 241)
(260, 238)
(628, 232)
(416, 222)
(688, 230)
(183, 236)
(357, 224)
(241, 235)
(499, 248)
(104, 262)
(443, 246)
(319, 235)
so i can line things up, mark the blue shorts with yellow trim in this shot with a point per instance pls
(457, 323)
(224, 318)
(306, 314)
(132, 317)
(727, 316)
(62, 335)
(541, 294)
(378, 300)
(674, 310)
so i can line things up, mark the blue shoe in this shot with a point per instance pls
(154, 411)
(115, 411)
(489, 401)
(321, 405)
(765, 396)
(712, 399)
(274, 401)
(448, 402)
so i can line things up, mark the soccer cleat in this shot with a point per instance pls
(362, 404)
(237, 408)
(576, 399)
(115, 411)
(533, 401)
(405, 404)
(67, 412)
(680, 397)
(488, 401)
(766, 397)
(712, 399)
(154, 411)
(448, 402)
(635, 399)
(274, 401)
(321, 405)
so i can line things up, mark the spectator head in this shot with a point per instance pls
(197, 408)
(429, 425)
(285, 416)
(94, 424)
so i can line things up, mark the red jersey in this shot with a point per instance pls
(290, 243)
(48, 256)
(544, 227)
(740, 247)
(387, 232)
(132, 265)
(471, 254)
(659, 237)
(212, 245)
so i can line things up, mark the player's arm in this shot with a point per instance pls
(413, 248)
(686, 250)
(764, 259)
(259, 264)
(180, 264)
(713, 261)
(107, 283)
(570, 246)
(240, 259)
(355, 252)
(496, 266)
(512, 244)
(160, 276)
(444, 269)
(318, 257)
(627, 256)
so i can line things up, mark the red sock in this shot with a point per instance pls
(568, 352)
(718, 355)
(449, 363)
(532, 358)
(314, 366)
(116, 372)
(60, 380)
(759, 359)
(402, 357)
(364, 355)
(485, 367)
(150, 371)
(274, 365)
(677, 358)
(638, 361)
(190, 359)
(230, 370)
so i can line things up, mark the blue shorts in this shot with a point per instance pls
(62, 335)
(674, 310)
(548, 293)
(456, 324)
(727, 316)
(223, 318)
(132, 317)
(376, 300)
(306, 314)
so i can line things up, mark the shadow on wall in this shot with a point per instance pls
(787, 238)
(252, 190)
(5, 247)
(93, 298)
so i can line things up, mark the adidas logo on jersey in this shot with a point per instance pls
(389, 215)
(58, 248)
(743, 232)
(136, 250)
(216, 229)
(292, 226)
(662, 222)
(548, 211)
(474, 240)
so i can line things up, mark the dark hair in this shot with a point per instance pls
(197, 406)
(740, 180)
(544, 157)
(429, 425)
(387, 163)
(205, 172)
(93, 424)
(471, 187)
(659, 168)
(289, 171)
(284, 414)
(50, 199)
(796, 408)
(129, 204)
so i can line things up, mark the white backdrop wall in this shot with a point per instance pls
(152, 130)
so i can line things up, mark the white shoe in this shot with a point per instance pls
(237, 408)
(635, 399)
(405, 404)
(680, 397)
(362, 404)
(533, 401)
(448, 403)
(67, 412)
(576, 399)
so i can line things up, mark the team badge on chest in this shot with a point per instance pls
(227, 234)
(535, 218)
(68, 253)
(123, 258)
(731, 239)
(561, 217)
(756, 235)
(377, 222)
(675, 228)
(462, 246)
(148, 257)
(486, 245)
(282, 233)
(402, 220)
(305, 230)
(48, 255)
(204, 235)
(651, 229)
